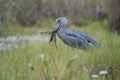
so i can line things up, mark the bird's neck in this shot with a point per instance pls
(61, 32)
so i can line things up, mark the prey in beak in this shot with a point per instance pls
(53, 33)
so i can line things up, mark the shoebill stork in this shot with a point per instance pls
(72, 38)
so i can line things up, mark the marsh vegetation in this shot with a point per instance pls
(40, 60)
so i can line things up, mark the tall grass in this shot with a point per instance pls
(43, 61)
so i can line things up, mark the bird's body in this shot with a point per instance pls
(73, 38)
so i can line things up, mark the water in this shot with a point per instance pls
(14, 41)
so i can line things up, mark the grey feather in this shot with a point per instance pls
(73, 38)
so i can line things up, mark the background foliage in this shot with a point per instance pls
(30, 12)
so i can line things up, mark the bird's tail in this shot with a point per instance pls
(94, 43)
(91, 40)
(98, 45)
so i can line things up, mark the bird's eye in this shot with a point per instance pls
(58, 21)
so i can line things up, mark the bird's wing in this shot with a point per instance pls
(76, 38)
(88, 38)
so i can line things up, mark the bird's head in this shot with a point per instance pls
(60, 22)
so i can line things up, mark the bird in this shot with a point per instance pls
(73, 38)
